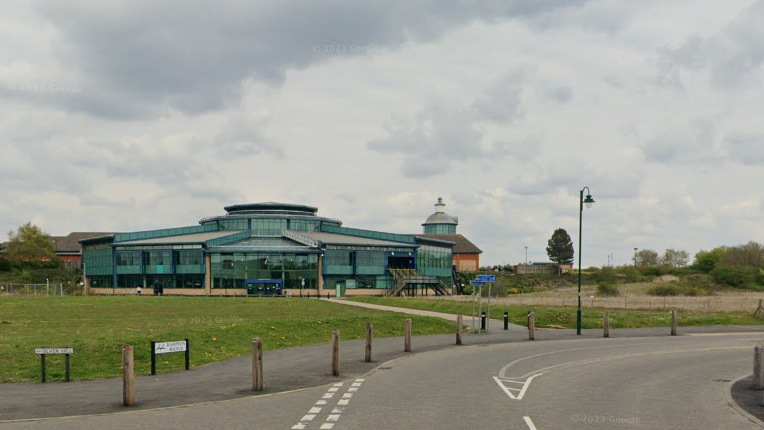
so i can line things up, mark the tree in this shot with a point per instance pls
(675, 258)
(706, 261)
(30, 246)
(646, 258)
(560, 247)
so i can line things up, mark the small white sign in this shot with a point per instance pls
(53, 351)
(167, 347)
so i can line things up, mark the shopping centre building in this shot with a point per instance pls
(267, 249)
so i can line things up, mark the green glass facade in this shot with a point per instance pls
(440, 229)
(249, 247)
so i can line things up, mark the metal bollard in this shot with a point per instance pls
(673, 323)
(506, 320)
(482, 321)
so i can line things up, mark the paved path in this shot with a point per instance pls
(466, 319)
(288, 369)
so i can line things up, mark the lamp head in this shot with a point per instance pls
(588, 201)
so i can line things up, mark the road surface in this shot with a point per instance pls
(629, 383)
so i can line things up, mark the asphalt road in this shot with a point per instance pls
(629, 383)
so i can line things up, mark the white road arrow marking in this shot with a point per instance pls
(513, 388)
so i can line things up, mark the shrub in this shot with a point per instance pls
(607, 290)
(736, 276)
(676, 289)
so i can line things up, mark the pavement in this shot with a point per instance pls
(284, 370)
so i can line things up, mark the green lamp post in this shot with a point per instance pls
(588, 202)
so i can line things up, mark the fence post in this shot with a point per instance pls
(673, 323)
(257, 364)
(369, 329)
(531, 326)
(458, 329)
(407, 339)
(128, 376)
(606, 324)
(335, 353)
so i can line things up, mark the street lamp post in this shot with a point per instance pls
(635, 258)
(589, 200)
(526, 255)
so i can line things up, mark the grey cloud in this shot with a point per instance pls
(139, 58)
(745, 149)
(693, 143)
(732, 56)
(458, 133)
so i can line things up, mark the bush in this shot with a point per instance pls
(607, 290)
(5, 266)
(736, 276)
(676, 289)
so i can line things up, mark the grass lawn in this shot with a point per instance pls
(565, 317)
(217, 329)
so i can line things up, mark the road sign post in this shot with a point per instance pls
(474, 300)
(168, 348)
(490, 279)
(42, 352)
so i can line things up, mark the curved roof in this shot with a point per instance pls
(271, 208)
(440, 216)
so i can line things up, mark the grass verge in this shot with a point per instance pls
(217, 329)
(565, 317)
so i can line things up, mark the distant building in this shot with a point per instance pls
(68, 248)
(268, 249)
(442, 226)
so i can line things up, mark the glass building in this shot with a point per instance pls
(267, 249)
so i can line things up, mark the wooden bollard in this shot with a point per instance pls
(128, 376)
(335, 353)
(673, 323)
(257, 364)
(458, 329)
(407, 339)
(606, 324)
(758, 367)
(531, 326)
(369, 329)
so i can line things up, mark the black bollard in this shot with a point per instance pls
(506, 320)
(482, 321)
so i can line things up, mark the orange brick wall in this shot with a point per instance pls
(467, 262)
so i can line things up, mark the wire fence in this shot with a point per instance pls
(708, 304)
(32, 290)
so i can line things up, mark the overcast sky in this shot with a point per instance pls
(138, 115)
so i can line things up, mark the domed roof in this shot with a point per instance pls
(441, 217)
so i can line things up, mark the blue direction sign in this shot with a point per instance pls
(487, 278)
(476, 283)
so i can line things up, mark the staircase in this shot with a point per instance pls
(405, 277)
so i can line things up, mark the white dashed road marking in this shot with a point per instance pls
(336, 413)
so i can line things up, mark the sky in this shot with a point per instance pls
(139, 115)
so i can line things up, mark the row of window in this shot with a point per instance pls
(135, 281)
(160, 258)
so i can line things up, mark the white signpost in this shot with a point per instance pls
(42, 352)
(167, 348)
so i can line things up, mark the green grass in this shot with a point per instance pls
(217, 329)
(565, 317)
